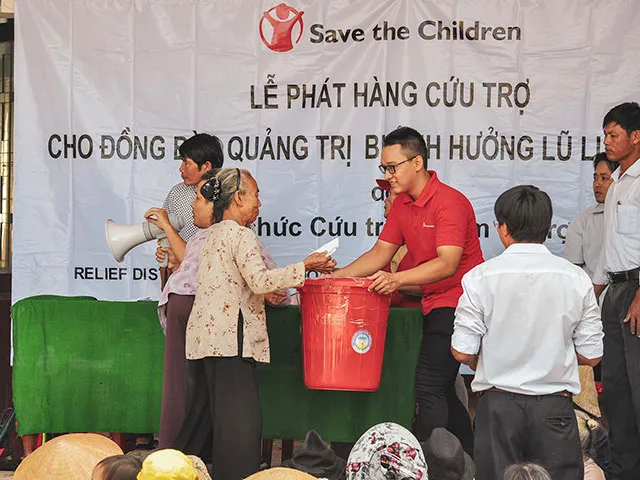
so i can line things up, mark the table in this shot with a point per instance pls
(82, 364)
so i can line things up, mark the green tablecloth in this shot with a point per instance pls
(88, 365)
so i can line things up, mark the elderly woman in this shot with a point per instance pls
(177, 297)
(227, 331)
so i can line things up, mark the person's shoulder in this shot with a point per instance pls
(448, 195)
(486, 267)
(572, 270)
(234, 228)
(181, 189)
(582, 217)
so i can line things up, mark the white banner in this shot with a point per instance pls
(506, 92)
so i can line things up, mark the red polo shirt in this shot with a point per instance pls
(441, 216)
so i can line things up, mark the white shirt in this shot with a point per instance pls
(527, 312)
(621, 250)
(178, 201)
(584, 238)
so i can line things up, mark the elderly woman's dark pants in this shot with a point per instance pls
(224, 400)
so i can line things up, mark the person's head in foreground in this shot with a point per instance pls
(602, 170)
(403, 160)
(387, 451)
(445, 457)
(523, 215)
(526, 471)
(118, 467)
(316, 458)
(168, 464)
(621, 127)
(199, 153)
(53, 460)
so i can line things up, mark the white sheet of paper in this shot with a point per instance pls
(330, 247)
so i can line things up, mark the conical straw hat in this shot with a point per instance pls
(68, 457)
(280, 473)
(587, 399)
(200, 467)
(168, 464)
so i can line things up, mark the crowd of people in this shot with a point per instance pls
(528, 322)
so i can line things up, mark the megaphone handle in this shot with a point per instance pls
(164, 243)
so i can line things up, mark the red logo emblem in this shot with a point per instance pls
(281, 23)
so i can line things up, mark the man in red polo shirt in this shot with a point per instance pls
(438, 226)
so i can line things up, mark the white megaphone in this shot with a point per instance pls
(122, 238)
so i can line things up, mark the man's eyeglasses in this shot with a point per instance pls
(392, 168)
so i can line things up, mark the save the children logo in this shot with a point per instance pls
(281, 27)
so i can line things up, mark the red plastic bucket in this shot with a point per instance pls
(344, 327)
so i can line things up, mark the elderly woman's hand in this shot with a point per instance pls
(319, 262)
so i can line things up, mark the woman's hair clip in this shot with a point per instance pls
(211, 190)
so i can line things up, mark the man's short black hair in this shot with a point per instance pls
(203, 148)
(526, 211)
(410, 140)
(602, 157)
(627, 115)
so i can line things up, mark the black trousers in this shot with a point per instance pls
(223, 404)
(621, 378)
(513, 428)
(436, 373)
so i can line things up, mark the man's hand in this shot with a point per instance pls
(633, 315)
(473, 364)
(384, 283)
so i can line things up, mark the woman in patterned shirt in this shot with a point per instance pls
(227, 331)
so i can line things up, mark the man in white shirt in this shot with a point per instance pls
(525, 320)
(619, 266)
(586, 232)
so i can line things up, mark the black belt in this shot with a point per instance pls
(563, 393)
(621, 277)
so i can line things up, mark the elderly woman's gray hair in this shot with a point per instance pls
(232, 180)
(526, 471)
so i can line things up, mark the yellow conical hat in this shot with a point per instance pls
(167, 464)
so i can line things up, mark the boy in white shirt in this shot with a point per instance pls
(525, 321)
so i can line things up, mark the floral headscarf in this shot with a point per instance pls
(387, 451)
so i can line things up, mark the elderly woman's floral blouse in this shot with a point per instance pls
(233, 278)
